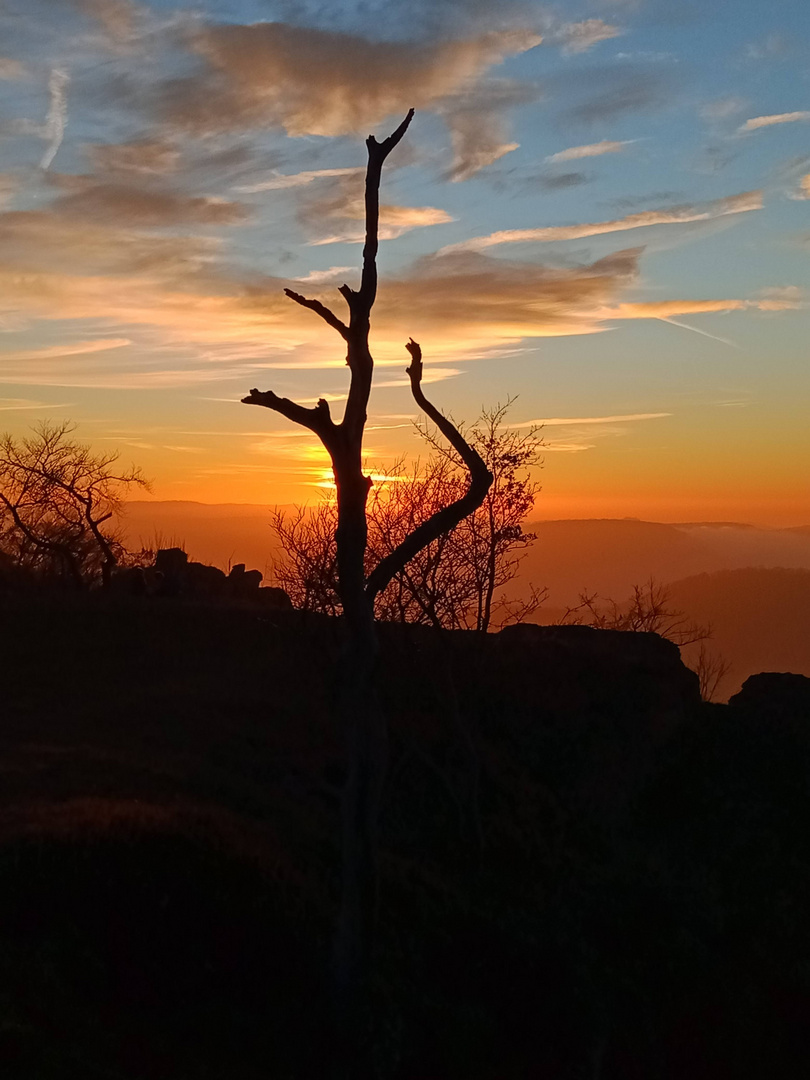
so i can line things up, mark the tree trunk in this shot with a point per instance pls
(364, 729)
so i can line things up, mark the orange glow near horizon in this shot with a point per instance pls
(623, 253)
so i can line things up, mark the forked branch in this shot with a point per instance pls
(360, 303)
(318, 419)
(449, 516)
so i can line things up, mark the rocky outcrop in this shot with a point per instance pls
(176, 575)
(242, 582)
(273, 597)
(611, 672)
(776, 695)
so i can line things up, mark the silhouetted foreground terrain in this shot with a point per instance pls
(750, 585)
(607, 555)
(586, 872)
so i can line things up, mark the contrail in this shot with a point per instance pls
(694, 329)
(56, 121)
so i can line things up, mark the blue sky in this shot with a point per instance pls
(600, 209)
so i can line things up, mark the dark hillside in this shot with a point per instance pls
(583, 869)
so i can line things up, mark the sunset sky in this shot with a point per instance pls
(600, 208)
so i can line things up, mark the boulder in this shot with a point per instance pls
(203, 580)
(244, 583)
(775, 694)
(171, 564)
(588, 711)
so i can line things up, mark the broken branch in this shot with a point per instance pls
(449, 516)
(318, 419)
(322, 310)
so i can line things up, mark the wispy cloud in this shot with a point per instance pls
(341, 206)
(476, 119)
(772, 46)
(279, 181)
(697, 330)
(721, 109)
(314, 81)
(140, 157)
(614, 91)
(8, 185)
(668, 309)
(12, 70)
(318, 277)
(116, 17)
(673, 215)
(56, 120)
(757, 122)
(560, 181)
(138, 205)
(579, 37)
(394, 221)
(321, 82)
(592, 150)
(76, 348)
(566, 421)
(27, 405)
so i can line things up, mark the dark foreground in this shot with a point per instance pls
(586, 873)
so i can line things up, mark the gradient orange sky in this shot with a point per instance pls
(600, 209)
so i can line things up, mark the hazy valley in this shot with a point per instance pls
(750, 584)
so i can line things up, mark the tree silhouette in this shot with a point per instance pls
(454, 582)
(358, 705)
(57, 504)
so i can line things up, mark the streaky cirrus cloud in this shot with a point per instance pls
(34, 241)
(666, 309)
(209, 330)
(579, 37)
(331, 216)
(673, 215)
(334, 273)
(30, 405)
(394, 221)
(564, 421)
(138, 205)
(803, 191)
(573, 153)
(77, 348)
(757, 122)
(56, 120)
(278, 181)
(140, 157)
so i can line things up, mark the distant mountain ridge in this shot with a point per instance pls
(759, 616)
(751, 584)
(604, 555)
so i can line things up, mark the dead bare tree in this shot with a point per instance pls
(454, 583)
(359, 706)
(58, 504)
